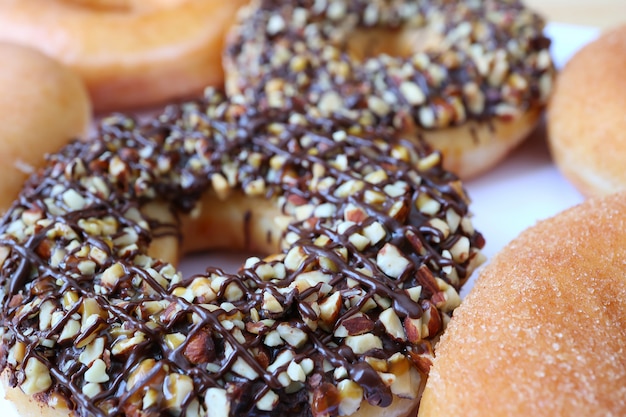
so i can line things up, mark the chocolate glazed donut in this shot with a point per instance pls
(471, 78)
(371, 241)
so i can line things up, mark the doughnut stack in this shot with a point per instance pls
(337, 159)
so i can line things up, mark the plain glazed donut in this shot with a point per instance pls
(586, 124)
(130, 53)
(372, 240)
(469, 77)
(543, 331)
(43, 105)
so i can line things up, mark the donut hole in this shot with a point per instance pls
(228, 261)
(403, 42)
(240, 226)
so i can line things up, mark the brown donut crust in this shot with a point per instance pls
(474, 148)
(43, 105)
(543, 331)
(586, 124)
(131, 54)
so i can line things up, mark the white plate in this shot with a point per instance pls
(523, 189)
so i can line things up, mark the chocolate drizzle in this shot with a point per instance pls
(73, 255)
(467, 61)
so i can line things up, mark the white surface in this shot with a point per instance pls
(523, 189)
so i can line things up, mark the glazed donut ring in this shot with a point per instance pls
(372, 240)
(543, 330)
(130, 53)
(40, 99)
(586, 126)
(471, 78)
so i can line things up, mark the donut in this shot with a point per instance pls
(369, 240)
(130, 53)
(470, 78)
(585, 118)
(542, 332)
(40, 98)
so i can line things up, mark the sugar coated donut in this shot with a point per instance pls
(586, 125)
(43, 105)
(371, 240)
(542, 332)
(469, 77)
(130, 53)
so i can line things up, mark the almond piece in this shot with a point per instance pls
(413, 329)
(351, 395)
(200, 348)
(392, 324)
(357, 325)
(37, 377)
(330, 307)
(363, 343)
(217, 403)
(391, 261)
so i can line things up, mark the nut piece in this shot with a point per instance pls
(92, 389)
(4, 254)
(216, 403)
(363, 343)
(407, 379)
(271, 304)
(71, 329)
(268, 401)
(391, 261)
(392, 324)
(45, 314)
(240, 366)
(358, 324)
(292, 335)
(140, 373)
(37, 377)
(412, 93)
(413, 328)
(351, 395)
(92, 352)
(16, 354)
(97, 372)
(330, 308)
(176, 388)
(111, 275)
(200, 348)
(91, 312)
(296, 372)
(124, 345)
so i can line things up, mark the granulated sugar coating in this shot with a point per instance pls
(543, 332)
